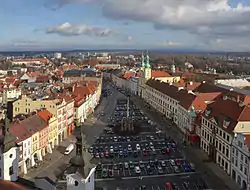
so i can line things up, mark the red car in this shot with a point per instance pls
(145, 153)
(167, 150)
(177, 162)
(168, 186)
(107, 154)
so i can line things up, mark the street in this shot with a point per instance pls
(108, 151)
(131, 162)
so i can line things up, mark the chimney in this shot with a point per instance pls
(238, 98)
(191, 82)
(203, 82)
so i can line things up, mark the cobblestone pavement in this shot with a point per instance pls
(212, 173)
(52, 163)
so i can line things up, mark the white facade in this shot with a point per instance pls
(233, 82)
(163, 103)
(10, 94)
(58, 55)
(28, 78)
(27, 149)
(76, 182)
(240, 161)
(210, 132)
(9, 164)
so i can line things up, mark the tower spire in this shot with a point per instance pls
(148, 61)
(9, 139)
(142, 60)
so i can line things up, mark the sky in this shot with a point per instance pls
(143, 24)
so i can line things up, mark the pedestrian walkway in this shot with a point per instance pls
(209, 169)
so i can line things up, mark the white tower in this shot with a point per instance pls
(58, 55)
(9, 154)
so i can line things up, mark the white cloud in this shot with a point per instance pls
(68, 29)
(170, 43)
(208, 19)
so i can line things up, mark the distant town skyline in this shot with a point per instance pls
(118, 24)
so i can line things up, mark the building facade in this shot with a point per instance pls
(240, 160)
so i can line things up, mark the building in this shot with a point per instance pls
(240, 160)
(9, 93)
(55, 105)
(219, 123)
(9, 154)
(86, 98)
(87, 74)
(176, 104)
(52, 122)
(58, 55)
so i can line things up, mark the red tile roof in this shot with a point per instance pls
(185, 99)
(45, 115)
(42, 79)
(224, 109)
(207, 88)
(9, 185)
(33, 74)
(207, 97)
(247, 140)
(10, 79)
(187, 85)
(158, 74)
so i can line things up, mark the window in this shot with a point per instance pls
(227, 153)
(242, 157)
(245, 171)
(241, 167)
(236, 163)
(11, 170)
(245, 160)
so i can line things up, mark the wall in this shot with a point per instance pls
(9, 159)
(233, 82)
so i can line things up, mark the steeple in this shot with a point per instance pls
(9, 140)
(147, 62)
(142, 61)
(78, 160)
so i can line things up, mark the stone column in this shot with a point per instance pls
(25, 170)
(32, 160)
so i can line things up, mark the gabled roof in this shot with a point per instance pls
(158, 74)
(227, 110)
(45, 115)
(185, 99)
(207, 88)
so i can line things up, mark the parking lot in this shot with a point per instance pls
(151, 154)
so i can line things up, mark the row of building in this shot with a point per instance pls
(215, 118)
(41, 120)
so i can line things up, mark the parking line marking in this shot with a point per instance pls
(152, 187)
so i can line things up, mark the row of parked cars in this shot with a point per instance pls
(124, 150)
(151, 167)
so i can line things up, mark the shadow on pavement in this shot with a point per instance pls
(61, 149)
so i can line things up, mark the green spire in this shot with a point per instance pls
(142, 61)
(147, 62)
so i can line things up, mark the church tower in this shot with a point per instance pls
(142, 62)
(9, 154)
(147, 69)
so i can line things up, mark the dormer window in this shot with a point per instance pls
(208, 112)
(226, 123)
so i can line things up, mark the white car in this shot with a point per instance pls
(138, 148)
(137, 170)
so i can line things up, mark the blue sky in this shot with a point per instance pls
(35, 24)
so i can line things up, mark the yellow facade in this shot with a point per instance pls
(53, 131)
(35, 142)
(169, 79)
(27, 105)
